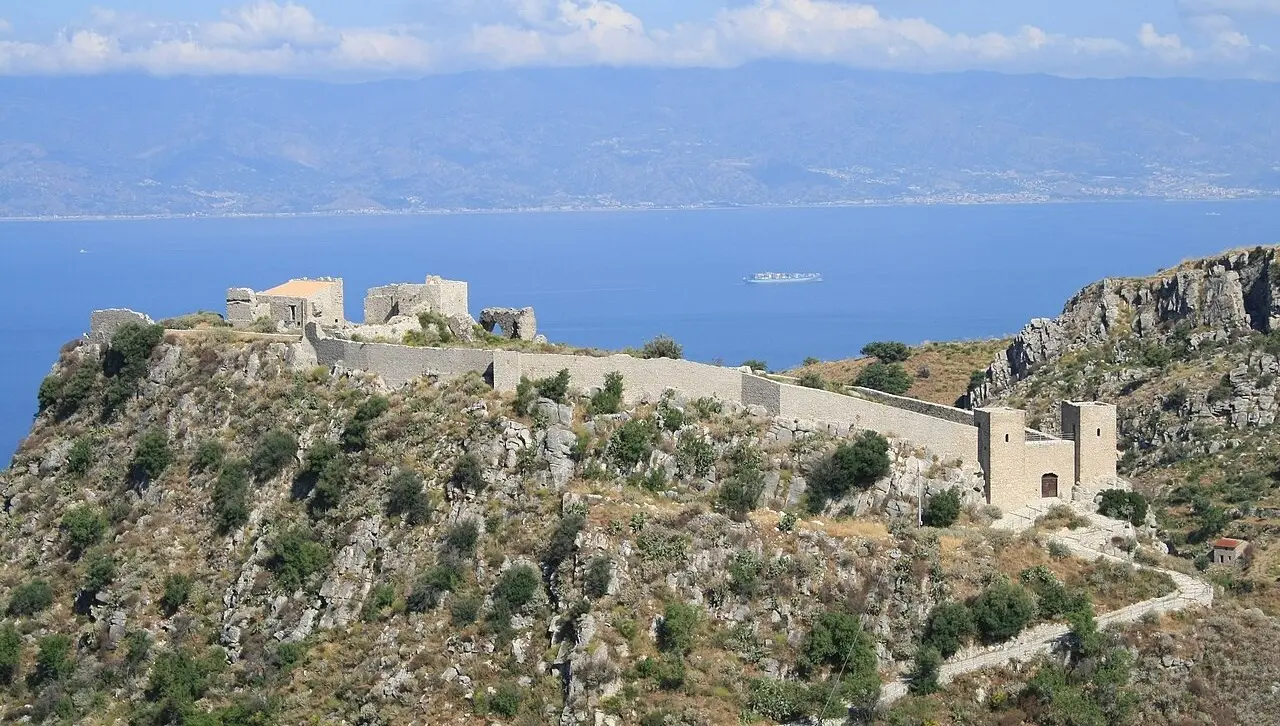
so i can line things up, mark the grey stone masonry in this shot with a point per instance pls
(449, 298)
(103, 324)
(516, 323)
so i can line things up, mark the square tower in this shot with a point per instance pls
(1092, 426)
(1002, 443)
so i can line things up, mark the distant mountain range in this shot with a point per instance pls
(777, 134)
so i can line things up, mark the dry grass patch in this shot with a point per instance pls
(941, 371)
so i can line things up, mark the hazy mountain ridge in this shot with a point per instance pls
(587, 138)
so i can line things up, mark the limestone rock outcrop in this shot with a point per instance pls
(1204, 300)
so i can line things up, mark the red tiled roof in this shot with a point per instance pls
(1228, 543)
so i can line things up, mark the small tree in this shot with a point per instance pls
(563, 540)
(943, 508)
(151, 457)
(555, 387)
(273, 453)
(950, 628)
(355, 437)
(926, 669)
(295, 557)
(53, 660)
(858, 464)
(1003, 610)
(811, 379)
(100, 571)
(84, 526)
(695, 455)
(740, 493)
(663, 346)
(599, 578)
(632, 443)
(209, 456)
(756, 365)
(462, 538)
(887, 377)
(231, 497)
(678, 628)
(1126, 505)
(80, 457)
(887, 351)
(177, 589)
(407, 499)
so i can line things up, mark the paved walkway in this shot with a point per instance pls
(1086, 542)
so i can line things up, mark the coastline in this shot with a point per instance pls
(631, 209)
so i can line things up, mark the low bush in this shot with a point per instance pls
(355, 436)
(669, 417)
(177, 589)
(810, 379)
(80, 457)
(209, 456)
(950, 628)
(782, 701)
(84, 526)
(505, 700)
(609, 398)
(462, 538)
(464, 611)
(926, 667)
(151, 457)
(852, 465)
(53, 660)
(516, 587)
(406, 498)
(274, 452)
(1126, 505)
(1003, 610)
(678, 628)
(887, 377)
(563, 539)
(740, 493)
(663, 346)
(99, 572)
(125, 363)
(468, 475)
(632, 443)
(837, 644)
(178, 679)
(381, 597)
(64, 393)
(599, 577)
(231, 497)
(294, 556)
(943, 508)
(30, 598)
(887, 351)
(445, 576)
(10, 653)
(695, 455)
(668, 671)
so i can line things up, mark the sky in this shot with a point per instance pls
(345, 39)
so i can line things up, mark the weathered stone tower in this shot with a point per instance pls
(1002, 442)
(1092, 426)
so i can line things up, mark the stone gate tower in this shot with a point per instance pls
(1092, 426)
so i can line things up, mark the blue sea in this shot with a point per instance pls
(614, 279)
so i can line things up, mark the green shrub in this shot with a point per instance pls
(695, 456)
(669, 417)
(562, 542)
(125, 363)
(178, 679)
(177, 588)
(137, 647)
(294, 556)
(1121, 504)
(678, 628)
(99, 572)
(10, 653)
(663, 346)
(599, 577)
(810, 361)
(287, 656)
(1002, 611)
(943, 508)
(231, 497)
(64, 393)
(1052, 599)
(53, 660)
(516, 587)
(782, 701)
(950, 628)
(838, 644)
(464, 611)
(330, 485)
(151, 457)
(209, 456)
(80, 457)
(505, 700)
(462, 538)
(608, 399)
(856, 465)
(1222, 391)
(632, 443)
(668, 671)
(468, 475)
(744, 573)
(355, 436)
(756, 364)
(810, 379)
(30, 598)
(273, 453)
(406, 498)
(430, 318)
(445, 576)
(887, 377)
(84, 526)
(1156, 356)
(887, 351)
(381, 597)
(925, 670)
(787, 522)
(977, 379)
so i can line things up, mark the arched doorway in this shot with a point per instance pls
(1049, 485)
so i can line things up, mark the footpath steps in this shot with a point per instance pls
(1086, 542)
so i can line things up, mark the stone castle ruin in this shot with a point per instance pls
(1019, 468)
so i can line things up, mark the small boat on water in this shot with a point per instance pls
(772, 278)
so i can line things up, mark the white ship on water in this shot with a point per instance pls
(773, 278)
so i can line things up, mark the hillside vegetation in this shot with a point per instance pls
(939, 372)
(198, 532)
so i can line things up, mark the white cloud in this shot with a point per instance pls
(286, 38)
(5, 26)
(1231, 7)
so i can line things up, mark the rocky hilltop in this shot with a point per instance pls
(201, 529)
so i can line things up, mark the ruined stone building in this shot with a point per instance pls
(445, 297)
(290, 305)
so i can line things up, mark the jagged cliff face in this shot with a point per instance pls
(1209, 300)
